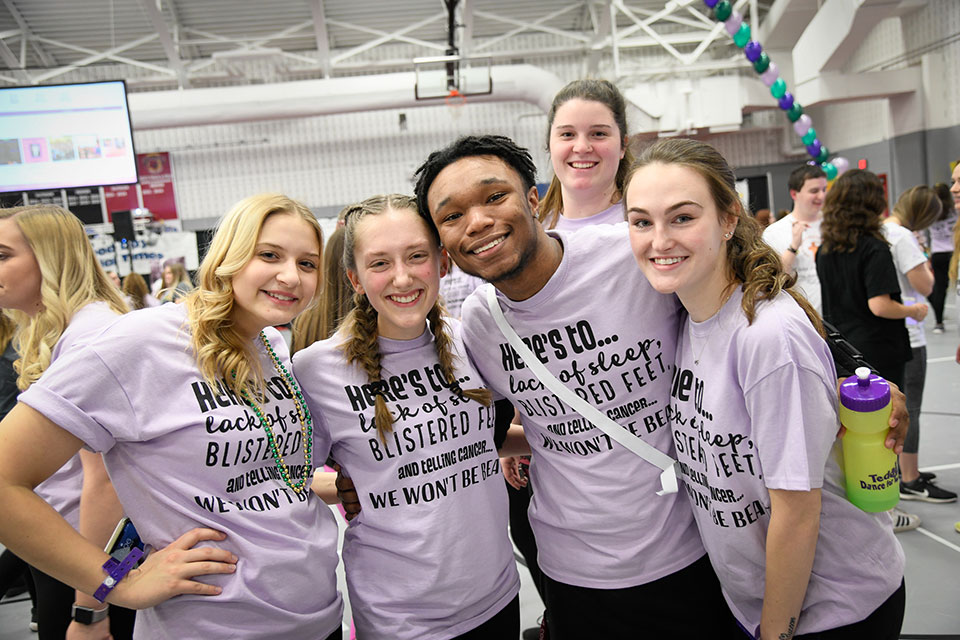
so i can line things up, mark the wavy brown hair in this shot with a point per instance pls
(751, 263)
(136, 288)
(360, 327)
(218, 348)
(607, 94)
(336, 299)
(852, 208)
(71, 278)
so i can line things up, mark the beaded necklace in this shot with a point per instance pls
(303, 413)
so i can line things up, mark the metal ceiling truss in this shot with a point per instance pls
(681, 28)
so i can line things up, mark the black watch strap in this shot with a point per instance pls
(86, 615)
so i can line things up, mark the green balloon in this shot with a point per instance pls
(809, 136)
(824, 154)
(722, 11)
(829, 169)
(761, 64)
(742, 36)
(794, 112)
(778, 88)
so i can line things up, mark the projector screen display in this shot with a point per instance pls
(61, 136)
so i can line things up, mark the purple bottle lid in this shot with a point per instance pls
(864, 392)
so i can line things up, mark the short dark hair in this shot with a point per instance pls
(501, 147)
(803, 173)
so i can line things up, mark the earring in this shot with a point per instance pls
(727, 235)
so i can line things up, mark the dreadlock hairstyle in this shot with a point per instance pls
(607, 94)
(360, 327)
(918, 207)
(852, 208)
(750, 261)
(467, 147)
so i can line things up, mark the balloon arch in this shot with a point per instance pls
(739, 30)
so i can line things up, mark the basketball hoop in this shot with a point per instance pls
(455, 101)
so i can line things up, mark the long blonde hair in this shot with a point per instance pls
(220, 351)
(750, 261)
(171, 293)
(71, 278)
(360, 327)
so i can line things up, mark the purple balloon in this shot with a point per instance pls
(771, 74)
(841, 163)
(814, 148)
(786, 101)
(802, 125)
(710, 3)
(752, 50)
(733, 23)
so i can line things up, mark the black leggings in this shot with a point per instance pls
(506, 625)
(684, 604)
(941, 264)
(12, 568)
(54, 602)
(883, 624)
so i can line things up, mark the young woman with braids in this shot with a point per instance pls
(428, 557)
(212, 466)
(753, 412)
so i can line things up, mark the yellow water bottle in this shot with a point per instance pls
(872, 474)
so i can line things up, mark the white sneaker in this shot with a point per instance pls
(903, 521)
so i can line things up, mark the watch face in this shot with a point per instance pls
(86, 615)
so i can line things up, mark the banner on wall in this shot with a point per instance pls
(114, 256)
(156, 184)
(122, 197)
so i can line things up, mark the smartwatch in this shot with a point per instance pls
(86, 615)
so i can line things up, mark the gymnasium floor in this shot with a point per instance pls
(933, 550)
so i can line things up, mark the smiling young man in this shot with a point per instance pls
(617, 558)
(796, 236)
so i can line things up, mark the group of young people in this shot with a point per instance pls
(680, 324)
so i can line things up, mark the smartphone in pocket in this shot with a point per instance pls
(125, 538)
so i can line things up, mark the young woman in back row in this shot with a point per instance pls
(794, 557)
(210, 448)
(428, 557)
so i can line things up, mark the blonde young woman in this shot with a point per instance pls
(176, 283)
(428, 557)
(52, 286)
(212, 466)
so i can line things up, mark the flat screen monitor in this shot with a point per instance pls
(65, 135)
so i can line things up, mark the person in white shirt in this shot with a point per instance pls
(796, 236)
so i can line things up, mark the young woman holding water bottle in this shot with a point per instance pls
(763, 477)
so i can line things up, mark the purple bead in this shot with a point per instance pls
(710, 3)
(770, 75)
(752, 50)
(733, 23)
(786, 101)
(802, 125)
(814, 148)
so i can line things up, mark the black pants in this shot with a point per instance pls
(685, 604)
(12, 570)
(54, 602)
(522, 533)
(883, 624)
(941, 264)
(506, 625)
(336, 635)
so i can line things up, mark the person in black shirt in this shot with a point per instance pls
(858, 279)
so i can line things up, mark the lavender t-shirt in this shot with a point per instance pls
(755, 408)
(182, 454)
(428, 557)
(611, 215)
(602, 330)
(62, 489)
